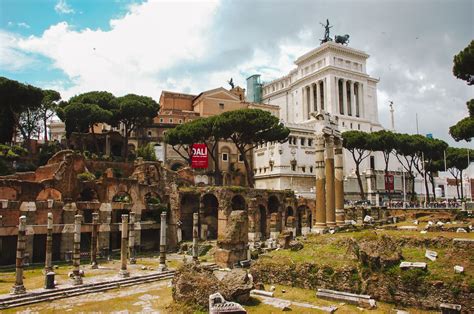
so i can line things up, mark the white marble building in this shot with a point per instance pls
(330, 78)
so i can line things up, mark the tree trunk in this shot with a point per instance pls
(248, 168)
(412, 178)
(215, 158)
(457, 186)
(433, 188)
(125, 146)
(462, 187)
(45, 124)
(359, 181)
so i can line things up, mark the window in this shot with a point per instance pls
(161, 120)
(221, 106)
(241, 158)
(310, 142)
(303, 169)
(225, 157)
(171, 120)
(302, 141)
(351, 125)
(358, 126)
(180, 121)
(311, 169)
(293, 167)
(372, 162)
(149, 133)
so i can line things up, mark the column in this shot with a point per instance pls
(336, 92)
(124, 248)
(320, 224)
(18, 287)
(329, 168)
(76, 255)
(202, 218)
(131, 239)
(352, 98)
(195, 236)
(94, 240)
(49, 245)
(311, 99)
(344, 95)
(303, 102)
(318, 96)
(324, 102)
(361, 100)
(162, 266)
(339, 183)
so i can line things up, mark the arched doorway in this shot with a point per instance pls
(211, 207)
(302, 218)
(262, 213)
(189, 206)
(238, 203)
(289, 213)
(49, 194)
(88, 195)
(274, 207)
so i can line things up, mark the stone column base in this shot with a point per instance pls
(340, 217)
(20, 289)
(305, 230)
(162, 268)
(274, 234)
(124, 273)
(77, 280)
(319, 229)
(292, 230)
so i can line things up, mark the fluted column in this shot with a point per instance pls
(303, 102)
(49, 245)
(162, 266)
(324, 102)
(311, 98)
(352, 98)
(94, 240)
(320, 224)
(131, 239)
(18, 287)
(344, 95)
(339, 183)
(329, 168)
(361, 100)
(124, 248)
(318, 96)
(76, 255)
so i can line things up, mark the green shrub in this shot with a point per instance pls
(25, 167)
(98, 174)
(147, 152)
(47, 151)
(5, 168)
(86, 176)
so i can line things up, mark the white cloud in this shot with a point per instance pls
(129, 57)
(63, 8)
(12, 58)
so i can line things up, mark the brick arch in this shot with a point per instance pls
(49, 193)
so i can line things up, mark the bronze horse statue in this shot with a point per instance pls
(342, 39)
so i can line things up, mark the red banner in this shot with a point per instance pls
(389, 186)
(199, 156)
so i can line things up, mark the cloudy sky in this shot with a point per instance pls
(145, 47)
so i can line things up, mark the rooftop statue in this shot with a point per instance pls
(342, 39)
(326, 32)
(231, 83)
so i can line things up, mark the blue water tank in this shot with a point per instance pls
(254, 89)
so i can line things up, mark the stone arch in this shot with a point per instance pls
(8, 193)
(122, 197)
(177, 166)
(48, 194)
(88, 195)
(188, 206)
(210, 215)
(238, 203)
(273, 204)
(289, 213)
(303, 218)
(262, 222)
(152, 198)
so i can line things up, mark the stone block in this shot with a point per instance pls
(458, 269)
(431, 255)
(447, 308)
(361, 300)
(408, 265)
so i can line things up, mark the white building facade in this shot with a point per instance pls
(331, 78)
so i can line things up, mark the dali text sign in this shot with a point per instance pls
(199, 156)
